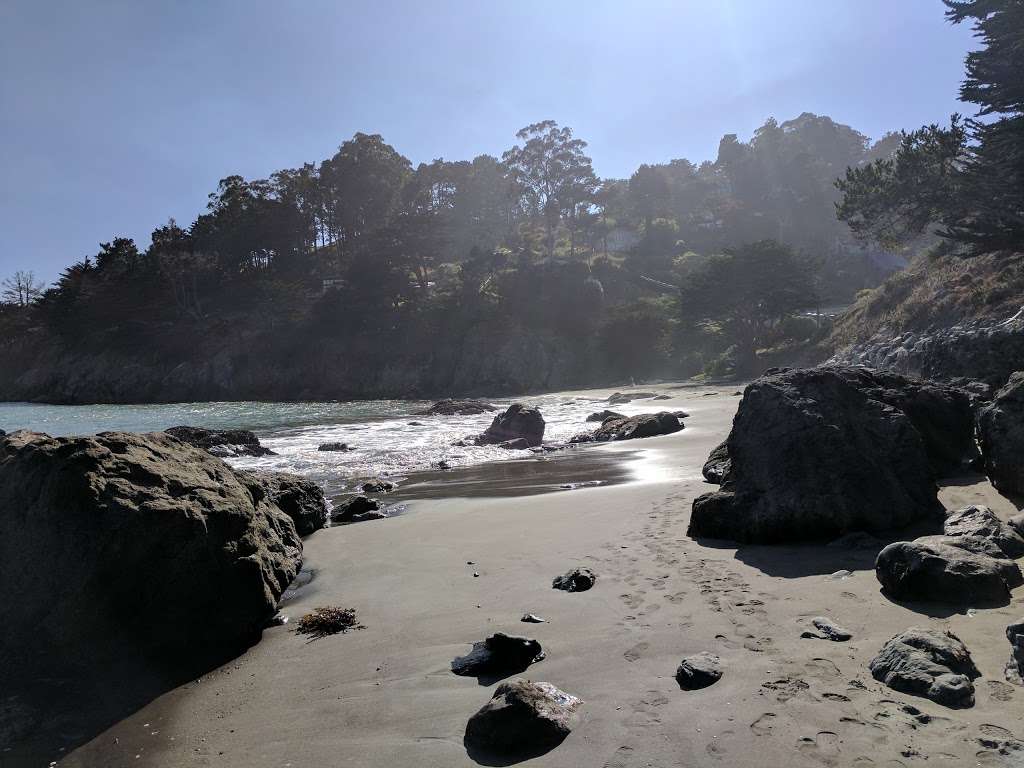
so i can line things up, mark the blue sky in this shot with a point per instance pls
(115, 115)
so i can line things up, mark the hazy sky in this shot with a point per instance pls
(116, 115)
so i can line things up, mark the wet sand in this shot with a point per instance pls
(385, 696)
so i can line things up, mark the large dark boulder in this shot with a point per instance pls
(1001, 435)
(517, 421)
(125, 547)
(927, 662)
(223, 443)
(299, 498)
(821, 452)
(452, 407)
(523, 719)
(933, 570)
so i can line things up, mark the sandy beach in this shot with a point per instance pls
(384, 696)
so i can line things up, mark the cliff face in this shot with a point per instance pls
(944, 317)
(482, 362)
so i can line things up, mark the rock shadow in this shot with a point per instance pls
(488, 757)
(48, 711)
(940, 610)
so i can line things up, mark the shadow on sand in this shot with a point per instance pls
(47, 713)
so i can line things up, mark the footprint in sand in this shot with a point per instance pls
(632, 601)
(1000, 691)
(764, 724)
(718, 747)
(824, 747)
(636, 652)
(838, 697)
(621, 759)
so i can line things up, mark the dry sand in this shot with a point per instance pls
(385, 696)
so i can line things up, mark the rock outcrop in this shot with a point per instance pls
(518, 421)
(1015, 666)
(989, 349)
(522, 719)
(1001, 435)
(299, 498)
(452, 407)
(933, 570)
(223, 443)
(717, 466)
(126, 546)
(820, 452)
(982, 522)
(929, 663)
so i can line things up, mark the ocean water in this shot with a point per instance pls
(387, 437)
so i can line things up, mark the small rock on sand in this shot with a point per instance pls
(699, 671)
(532, 618)
(522, 719)
(576, 580)
(355, 510)
(827, 630)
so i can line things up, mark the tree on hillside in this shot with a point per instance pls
(21, 289)
(554, 175)
(992, 216)
(748, 292)
(897, 198)
(360, 187)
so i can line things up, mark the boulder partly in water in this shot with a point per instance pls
(821, 452)
(222, 443)
(452, 407)
(518, 421)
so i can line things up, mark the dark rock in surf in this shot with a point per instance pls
(298, 497)
(451, 407)
(717, 466)
(981, 521)
(353, 510)
(334, 447)
(222, 443)
(935, 571)
(378, 486)
(499, 654)
(601, 416)
(699, 671)
(576, 580)
(518, 421)
(817, 453)
(620, 398)
(1001, 436)
(519, 444)
(523, 719)
(930, 663)
(632, 427)
(134, 549)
